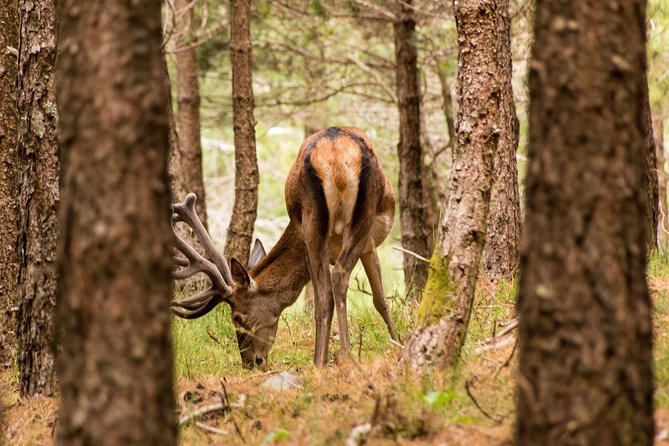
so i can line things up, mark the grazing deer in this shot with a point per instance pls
(341, 207)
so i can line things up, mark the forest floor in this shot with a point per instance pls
(372, 395)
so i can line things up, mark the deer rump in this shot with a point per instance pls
(338, 187)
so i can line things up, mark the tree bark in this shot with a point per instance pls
(38, 195)
(9, 41)
(115, 357)
(409, 151)
(652, 192)
(585, 335)
(185, 163)
(245, 209)
(504, 220)
(446, 307)
(663, 220)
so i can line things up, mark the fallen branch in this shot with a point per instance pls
(500, 344)
(211, 429)
(201, 412)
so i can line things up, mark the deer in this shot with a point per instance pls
(341, 206)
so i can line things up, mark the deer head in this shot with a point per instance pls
(255, 305)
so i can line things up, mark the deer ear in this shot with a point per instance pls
(257, 254)
(239, 273)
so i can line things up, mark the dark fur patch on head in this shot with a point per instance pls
(332, 133)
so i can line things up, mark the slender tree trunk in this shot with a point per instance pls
(585, 336)
(9, 41)
(652, 192)
(504, 221)
(38, 172)
(447, 302)
(115, 357)
(185, 163)
(245, 209)
(409, 150)
(663, 220)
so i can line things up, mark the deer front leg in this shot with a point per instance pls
(370, 261)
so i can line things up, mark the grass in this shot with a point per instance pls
(331, 402)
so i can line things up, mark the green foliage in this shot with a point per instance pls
(438, 398)
(276, 436)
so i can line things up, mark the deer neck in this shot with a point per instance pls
(283, 272)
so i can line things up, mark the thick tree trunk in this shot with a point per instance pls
(9, 41)
(663, 220)
(245, 209)
(185, 164)
(409, 151)
(115, 357)
(447, 302)
(504, 220)
(585, 364)
(38, 172)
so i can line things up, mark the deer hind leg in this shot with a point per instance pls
(370, 261)
(354, 241)
(319, 271)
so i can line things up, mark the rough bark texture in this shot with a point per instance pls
(585, 375)
(663, 221)
(245, 209)
(38, 172)
(115, 356)
(185, 163)
(652, 193)
(504, 220)
(409, 150)
(449, 293)
(9, 38)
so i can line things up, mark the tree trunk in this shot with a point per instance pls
(663, 221)
(115, 355)
(9, 38)
(185, 163)
(409, 151)
(38, 172)
(245, 209)
(447, 302)
(504, 220)
(585, 334)
(652, 193)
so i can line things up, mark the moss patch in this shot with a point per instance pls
(436, 297)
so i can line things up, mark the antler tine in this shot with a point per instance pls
(213, 264)
(197, 263)
(186, 212)
(200, 310)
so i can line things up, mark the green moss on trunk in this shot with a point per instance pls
(436, 300)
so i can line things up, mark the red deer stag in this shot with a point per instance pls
(341, 207)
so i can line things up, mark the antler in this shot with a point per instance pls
(213, 264)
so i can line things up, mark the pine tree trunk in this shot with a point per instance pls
(409, 151)
(9, 39)
(115, 357)
(504, 220)
(663, 220)
(185, 164)
(449, 293)
(38, 195)
(585, 334)
(245, 209)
